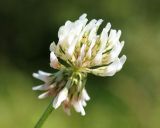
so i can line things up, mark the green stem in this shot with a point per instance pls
(44, 116)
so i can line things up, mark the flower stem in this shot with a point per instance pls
(44, 116)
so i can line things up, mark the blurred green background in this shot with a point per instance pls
(130, 99)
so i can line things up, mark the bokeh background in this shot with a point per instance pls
(130, 99)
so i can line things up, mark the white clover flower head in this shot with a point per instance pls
(79, 51)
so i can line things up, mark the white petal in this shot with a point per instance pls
(82, 53)
(104, 37)
(44, 87)
(35, 75)
(69, 34)
(87, 28)
(112, 37)
(110, 70)
(54, 61)
(112, 34)
(64, 30)
(89, 52)
(83, 16)
(44, 73)
(74, 35)
(78, 107)
(52, 46)
(90, 25)
(84, 103)
(92, 34)
(94, 28)
(71, 50)
(61, 33)
(43, 95)
(119, 34)
(98, 59)
(116, 51)
(40, 77)
(115, 66)
(122, 61)
(99, 22)
(85, 95)
(108, 27)
(40, 87)
(62, 95)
